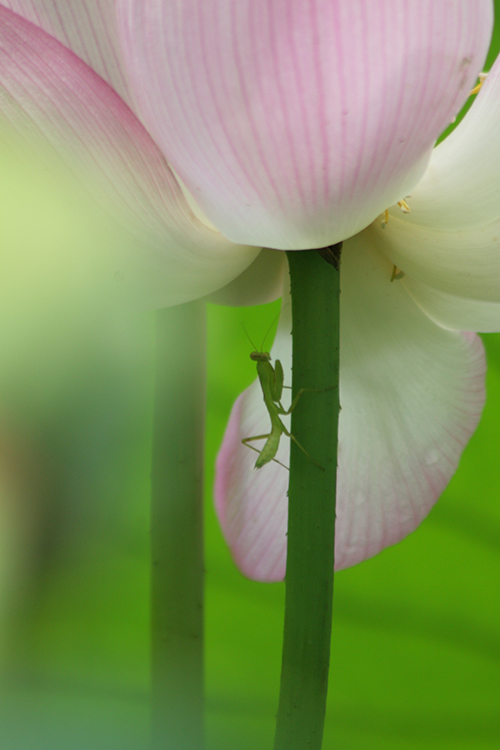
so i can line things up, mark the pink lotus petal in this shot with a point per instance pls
(411, 396)
(57, 104)
(87, 27)
(294, 124)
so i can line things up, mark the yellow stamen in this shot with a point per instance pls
(477, 88)
(403, 205)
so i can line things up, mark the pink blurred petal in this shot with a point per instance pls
(411, 394)
(294, 124)
(87, 27)
(58, 105)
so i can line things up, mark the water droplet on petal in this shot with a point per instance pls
(431, 457)
(359, 498)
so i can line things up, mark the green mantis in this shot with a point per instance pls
(272, 384)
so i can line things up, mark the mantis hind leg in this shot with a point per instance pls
(306, 454)
(246, 441)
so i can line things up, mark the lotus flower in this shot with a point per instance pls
(209, 130)
(411, 381)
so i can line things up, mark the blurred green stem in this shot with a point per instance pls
(311, 499)
(177, 529)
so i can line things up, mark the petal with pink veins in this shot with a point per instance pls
(59, 107)
(411, 395)
(294, 124)
(87, 27)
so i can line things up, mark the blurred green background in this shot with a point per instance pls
(415, 645)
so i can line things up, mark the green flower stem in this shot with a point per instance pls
(177, 529)
(311, 500)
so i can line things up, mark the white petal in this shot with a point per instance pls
(411, 396)
(461, 187)
(451, 239)
(455, 313)
(462, 263)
